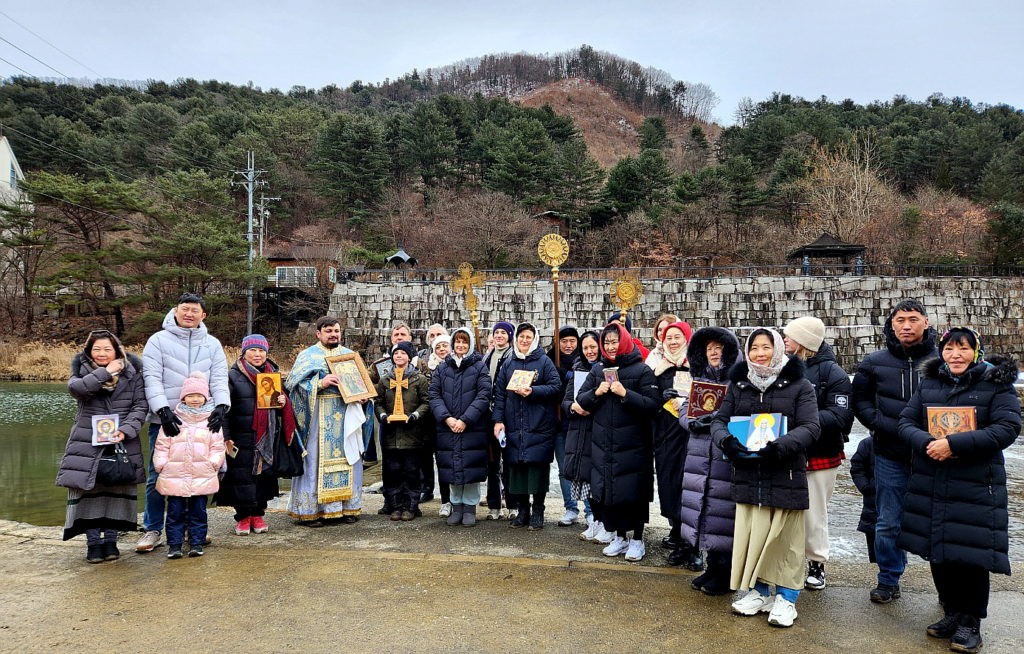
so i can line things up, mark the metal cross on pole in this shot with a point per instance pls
(465, 283)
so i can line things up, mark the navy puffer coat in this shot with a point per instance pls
(622, 447)
(461, 391)
(580, 428)
(884, 383)
(708, 511)
(780, 483)
(956, 510)
(531, 422)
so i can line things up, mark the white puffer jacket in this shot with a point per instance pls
(174, 353)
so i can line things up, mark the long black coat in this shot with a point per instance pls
(127, 401)
(530, 422)
(883, 384)
(956, 510)
(834, 392)
(579, 429)
(240, 487)
(461, 391)
(670, 439)
(622, 446)
(862, 471)
(778, 483)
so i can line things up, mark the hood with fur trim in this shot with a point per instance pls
(996, 368)
(697, 351)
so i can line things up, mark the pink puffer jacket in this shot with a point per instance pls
(188, 463)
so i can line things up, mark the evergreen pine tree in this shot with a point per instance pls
(524, 162)
(577, 184)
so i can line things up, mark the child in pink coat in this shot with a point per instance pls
(188, 465)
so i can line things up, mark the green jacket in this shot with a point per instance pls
(401, 435)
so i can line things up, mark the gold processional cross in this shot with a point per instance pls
(398, 383)
(465, 283)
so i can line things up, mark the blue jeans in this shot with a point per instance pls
(100, 536)
(153, 517)
(563, 483)
(468, 494)
(186, 512)
(890, 488)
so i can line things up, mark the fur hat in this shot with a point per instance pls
(257, 341)
(808, 331)
(196, 383)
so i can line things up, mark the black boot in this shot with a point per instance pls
(944, 628)
(110, 551)
(718, 582)
(537, 518)
(673, 540)
(682, 554)
(523, 517)
(968, 635)
(94, 553)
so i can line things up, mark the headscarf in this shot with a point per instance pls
(472, 345)
(678, 360)
(433, 361)
(533, 346)
(953, 332)
(764, 376)
(626, 344)
(582, 360)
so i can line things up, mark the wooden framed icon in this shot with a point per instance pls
(353, 379)
(268, 390)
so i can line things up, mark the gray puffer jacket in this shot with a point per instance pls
(127, 401)
(174, 353)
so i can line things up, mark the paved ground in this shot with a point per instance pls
(380, 586)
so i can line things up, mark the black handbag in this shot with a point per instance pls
(116, 467)
(288, 458)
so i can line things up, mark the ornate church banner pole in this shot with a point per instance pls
(553, 251)
(464, 284)
(626, 292)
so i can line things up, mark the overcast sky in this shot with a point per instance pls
(861, 49)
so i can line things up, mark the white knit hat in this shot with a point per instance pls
(808, 331)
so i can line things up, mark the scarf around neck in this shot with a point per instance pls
(265, 421)
(91, 366)
(764, 376)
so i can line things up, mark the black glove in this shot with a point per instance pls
(770, 452)
(733, 449)
(382, 417)
(702, 425)
(412, 418)
(216, 419)
(669, 393)
(169, 421)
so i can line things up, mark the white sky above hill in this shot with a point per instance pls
(860, 49)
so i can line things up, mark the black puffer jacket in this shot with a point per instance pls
(580, 429)
(862, 471)
(884, 383)
(779, 483)
(461, 391)
(240, 487)
(622, 448)
(530, 422)
(956, 510)
(127, 401)
(835, 415)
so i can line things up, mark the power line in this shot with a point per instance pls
(34, 57)
(10, 18)
(16, 66)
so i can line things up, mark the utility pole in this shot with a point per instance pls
(264, 217)
(250, 180)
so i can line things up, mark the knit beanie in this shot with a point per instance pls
(440, 338)
(195, 383)
(618, 316)
(508, 327)
(406, 347)
(255, 340)
(808, 331)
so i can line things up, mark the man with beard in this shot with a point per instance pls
(330, 487)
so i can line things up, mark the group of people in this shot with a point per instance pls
(612, 414)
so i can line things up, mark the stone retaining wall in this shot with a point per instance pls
(852, 307)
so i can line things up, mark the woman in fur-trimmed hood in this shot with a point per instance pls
(955, 512)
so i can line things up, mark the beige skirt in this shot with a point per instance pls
(768, 546)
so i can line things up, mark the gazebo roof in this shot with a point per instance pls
(400, 257)
(827, 246)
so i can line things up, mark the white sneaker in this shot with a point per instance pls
(510, 514)
(753, 603)
(591, 529)
(602, 535)
(494, 514)
(616, 547)
(636, 550)
(783, 613)
(571, 517)
(445, 510)
(149, 541)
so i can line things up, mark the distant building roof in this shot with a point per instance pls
(399, 258)
(827, 246)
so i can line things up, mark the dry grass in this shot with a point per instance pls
(38, 361)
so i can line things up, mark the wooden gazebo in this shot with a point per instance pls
(829, 247)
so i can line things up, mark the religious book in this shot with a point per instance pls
(578, 377)
(682, 382)
(611, 375)
(705, 398)
(670, 406)
(762, 429)
(103, 428)
(946, 420)
(521, 379)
